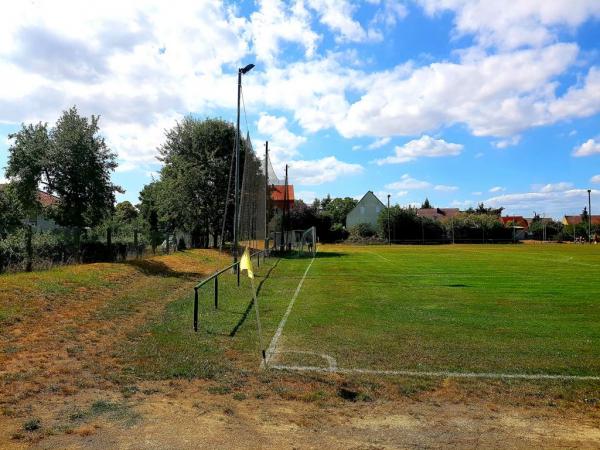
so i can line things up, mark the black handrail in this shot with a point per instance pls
(215, 277)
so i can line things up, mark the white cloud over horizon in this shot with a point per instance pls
(425, 146)
(588, 148)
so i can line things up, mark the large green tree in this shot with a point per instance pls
(193, 183)
(72, 162)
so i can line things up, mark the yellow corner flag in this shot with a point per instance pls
(246, 263)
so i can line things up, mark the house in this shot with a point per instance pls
(576, 220)
(520, 222)
(438, 213)
(40, 222)
(367, 211)
(281, 200)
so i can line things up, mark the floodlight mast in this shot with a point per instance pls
(589, 215)
(241, 71)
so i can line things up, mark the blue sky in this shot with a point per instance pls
(458, 101)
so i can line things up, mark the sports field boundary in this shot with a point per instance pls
(440, 374)
(273, 345)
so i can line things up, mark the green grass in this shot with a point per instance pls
(509, 309)
(514, 309)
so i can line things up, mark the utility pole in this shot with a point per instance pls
(283, 208)
(267, 197)
(589, 215)
(388, 224)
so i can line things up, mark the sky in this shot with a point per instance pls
(458, 101)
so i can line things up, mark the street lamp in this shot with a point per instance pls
(241, 71)
(589, 215)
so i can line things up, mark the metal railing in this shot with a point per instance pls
(215, 278)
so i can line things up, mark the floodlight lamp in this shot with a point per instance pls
(247, 69)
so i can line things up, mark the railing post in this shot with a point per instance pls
(195, 309)
(258, 259)
(237, 269)
(217, 292)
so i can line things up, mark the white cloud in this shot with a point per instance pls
(531, 22)
(445, 188)
(356, 147)
(553, 187)
(425, 146)
(275, 22)
(321, 171)
(478, 155)
(283, 144)
(595, 179)
(307, 196)
(379, 143)
(337, 15)
(477, 193)
(553, 203)
(588, 148)
(497, 189)
(494, 95)
(510, 142)
(407, 182)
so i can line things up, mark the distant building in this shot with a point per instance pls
(576, 220)
(40, 222)
(279, 199)
(438, 213)
(520, 222)
(367, 211)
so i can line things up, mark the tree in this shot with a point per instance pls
(426, 204)
(584, 215)
(193, 181)
(339, 208)
(71, 162)
(125, 212)
(481, 209)
(11, 211)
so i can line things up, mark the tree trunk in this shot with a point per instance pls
(109, 243)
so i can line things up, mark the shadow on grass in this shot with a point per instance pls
(319, 255)
(159, 268)
(251, 304)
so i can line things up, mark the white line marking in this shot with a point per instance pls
(277, 335)
(411, 373)
(330, 359)
(382, 257)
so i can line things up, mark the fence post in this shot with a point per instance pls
(195, 309)
(29, 248)
(168, 244)
(238, 273)
(217, 292)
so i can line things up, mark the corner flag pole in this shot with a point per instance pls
(246, 264)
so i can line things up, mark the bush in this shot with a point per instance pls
(362, 230)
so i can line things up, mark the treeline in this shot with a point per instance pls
(72, 165)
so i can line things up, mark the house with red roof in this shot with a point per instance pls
(40, 222)
(280, 199)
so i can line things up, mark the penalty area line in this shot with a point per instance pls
(273, 345)
(441, 374)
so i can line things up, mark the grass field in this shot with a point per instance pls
(91, 353)
(528, 309)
